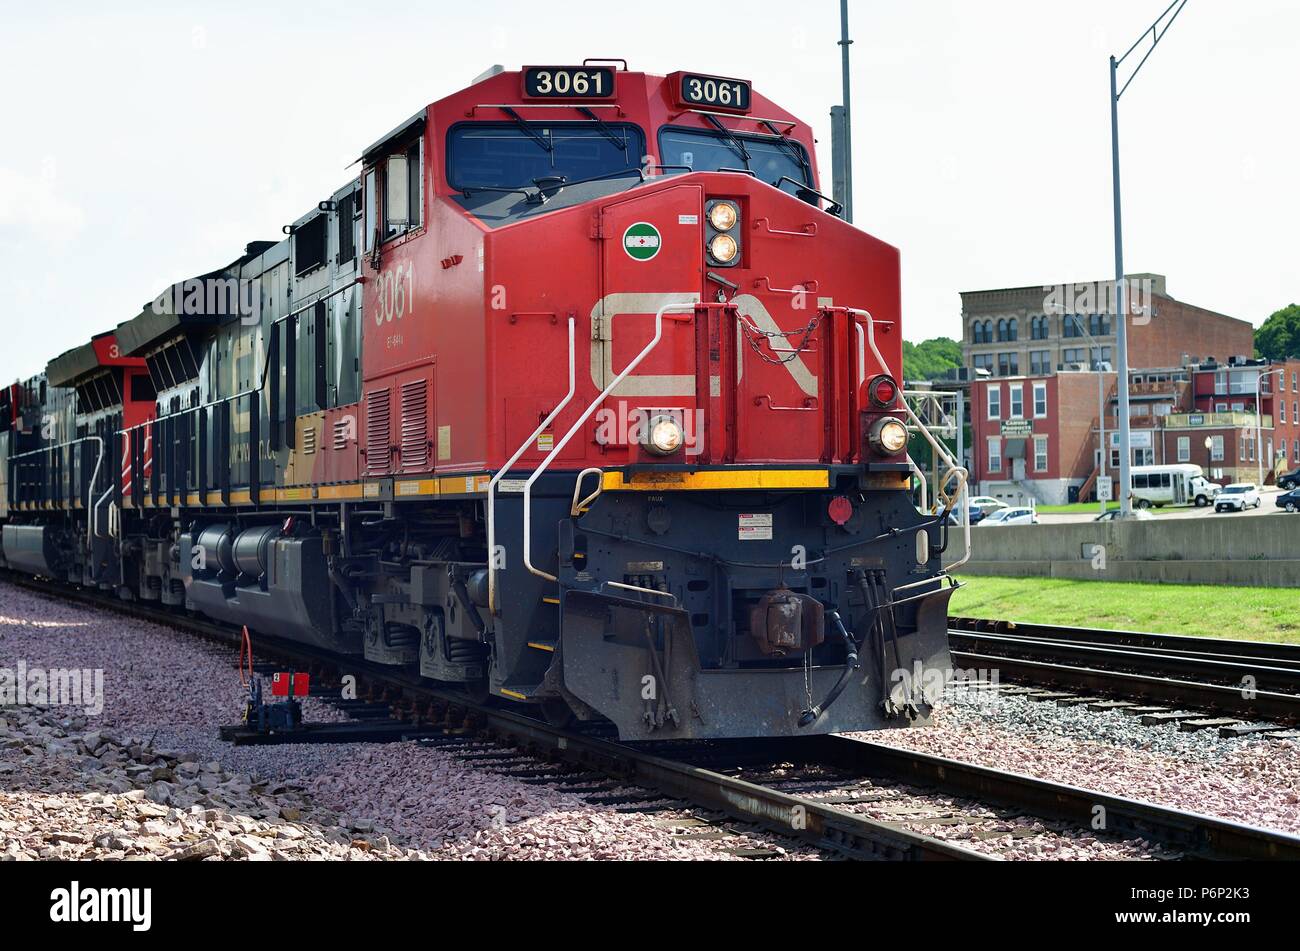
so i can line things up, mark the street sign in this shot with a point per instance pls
(1104, 489)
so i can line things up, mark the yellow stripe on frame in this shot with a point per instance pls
(718, 480)
(515, 694)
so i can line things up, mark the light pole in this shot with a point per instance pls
(1156, 32)
(844, 45)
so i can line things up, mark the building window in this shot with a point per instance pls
(1008, 364)
(1144, 457)
(995, 454)
(1184, 448)
(1099, 356)
(1040, 453)
(1216, 448)
(983, 361)
(1040, 400)
(977, 332)
(1072, 326)
(1002, 331)
(1074, 355)
(1114, 459)
(1013, 330)
(995, 402)
(1017, 394)
(1099, 325)
(1040, 362)
(1038, 328)
(1295, 450)
(1281, 411)
(1295, 411)
(1295, 381)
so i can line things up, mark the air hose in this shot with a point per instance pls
(810, 717)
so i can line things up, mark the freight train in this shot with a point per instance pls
(581, 396)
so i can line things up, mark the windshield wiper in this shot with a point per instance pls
(604, 130)
(551, 185)
(526, 127)
(533, 198)
(729, 137)
(785, 145)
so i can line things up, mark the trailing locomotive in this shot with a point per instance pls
(581, 395)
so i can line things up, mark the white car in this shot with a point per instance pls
(987, 504)
(1012, 516)
(1237, 497)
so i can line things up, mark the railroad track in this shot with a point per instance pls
(1243, 681)
(801, 789)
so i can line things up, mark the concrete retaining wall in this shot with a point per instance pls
(1259, 550)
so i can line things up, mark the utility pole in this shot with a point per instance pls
(1156, 32)
(844, 45)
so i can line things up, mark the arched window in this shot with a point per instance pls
(977, 333)
(1002, 330)
(1013, 329)
(988, 331)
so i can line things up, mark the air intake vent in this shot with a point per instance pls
(415, 426)
(309, 440)
(377, 432)
(343, 433)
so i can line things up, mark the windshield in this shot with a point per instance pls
(513, 155)
(768, 157)
(1234, 490)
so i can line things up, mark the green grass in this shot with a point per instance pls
(1075, 508)
(1092, 508)
(1256, 614)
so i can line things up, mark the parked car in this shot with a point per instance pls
(1290, 501)
(976, 516)
(1237, 497)
(1012, 516)
(1114, 514)
(1290, 480)
(987, 504)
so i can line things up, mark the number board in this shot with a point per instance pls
(715, 92)
(568, 82)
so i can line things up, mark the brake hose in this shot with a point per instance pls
(810, 717)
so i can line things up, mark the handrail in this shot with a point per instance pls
(940, 450)
(579, 507)
(559, 446)
(94, 476)
(492, 484)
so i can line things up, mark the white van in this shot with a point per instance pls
(1182, 484)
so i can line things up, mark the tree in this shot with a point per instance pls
(931, 358)
(1279, 337)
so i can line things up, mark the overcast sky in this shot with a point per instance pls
(146, 143)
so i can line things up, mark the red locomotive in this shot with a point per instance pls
(581, 395)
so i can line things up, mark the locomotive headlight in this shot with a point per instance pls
(723, 216)
(664, 436)
(888, 436)
(723, 247)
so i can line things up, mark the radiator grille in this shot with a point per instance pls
(415, 426)
(378, 431)
(309, 440)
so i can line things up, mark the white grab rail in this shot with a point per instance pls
(559, 446)
(492, 485)
(955, 469)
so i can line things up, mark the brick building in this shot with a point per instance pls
(1036, 356)
(1042, 329)
(1036, 437)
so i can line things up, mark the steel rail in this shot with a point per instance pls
(1208, 646)
(1265, 673)
(1237, 700)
